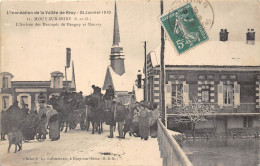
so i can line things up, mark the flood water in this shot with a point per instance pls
(226, 152)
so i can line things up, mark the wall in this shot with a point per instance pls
(235, 122)
(221, 125)
(205, 124)
(256, 123)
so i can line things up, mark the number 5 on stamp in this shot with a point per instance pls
(184, 28)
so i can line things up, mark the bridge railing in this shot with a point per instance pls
(171, 152)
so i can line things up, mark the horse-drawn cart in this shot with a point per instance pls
(33, 127)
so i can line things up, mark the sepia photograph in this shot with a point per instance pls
(130, 82)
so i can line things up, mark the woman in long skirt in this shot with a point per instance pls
(144, 127)
(52, 120)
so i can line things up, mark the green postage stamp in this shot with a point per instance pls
(184, 28)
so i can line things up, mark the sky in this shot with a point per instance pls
(32, 53)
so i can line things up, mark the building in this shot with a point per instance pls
(224, 73)
(27, 92)
(116, 76)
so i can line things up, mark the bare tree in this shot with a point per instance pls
(193, 109)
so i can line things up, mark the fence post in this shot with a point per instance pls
(170, 151)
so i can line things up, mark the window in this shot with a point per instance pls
(5, 82)
(5, 101)
(177, 93)
(248, 122)
(205, 95)
(228, 94)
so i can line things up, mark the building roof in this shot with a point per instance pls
(212, 53)
(119, 83)
(6, 73)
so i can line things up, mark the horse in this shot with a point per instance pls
(95, 111)
(65, 114)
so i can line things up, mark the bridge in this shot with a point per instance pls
(77, 147)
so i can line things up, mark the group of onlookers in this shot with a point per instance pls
(137, 118)
(30, 122)
(144, 118)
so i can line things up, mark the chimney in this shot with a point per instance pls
(223, 35)
(250, 37)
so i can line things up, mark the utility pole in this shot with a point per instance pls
(66, 76)
(145, 75)
(162, 72)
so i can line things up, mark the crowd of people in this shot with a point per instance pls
(139, 118)
(32, 121)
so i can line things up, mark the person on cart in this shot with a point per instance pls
(110, 94)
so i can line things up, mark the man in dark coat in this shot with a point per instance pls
(120, 115)
(110, 120)
(110, 94)
(14, 115)
(96, 89)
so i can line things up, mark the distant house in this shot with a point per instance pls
(224, 73)
(27, 92)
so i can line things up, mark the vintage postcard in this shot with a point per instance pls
(129, 82)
